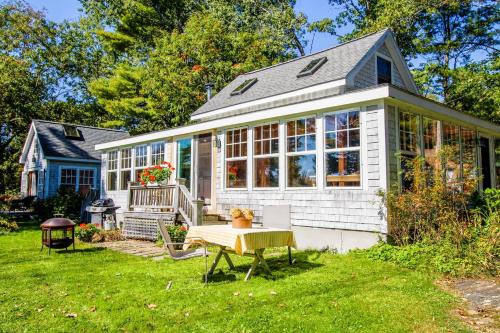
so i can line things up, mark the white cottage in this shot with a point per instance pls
(321, 133)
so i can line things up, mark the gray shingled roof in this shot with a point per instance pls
(55, 144)
(282, 78)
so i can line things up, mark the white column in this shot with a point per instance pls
(320, 156)
(282, 157)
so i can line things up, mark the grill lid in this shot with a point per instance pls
(57, 222)
(103, 203)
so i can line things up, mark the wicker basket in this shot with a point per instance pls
(242, 223)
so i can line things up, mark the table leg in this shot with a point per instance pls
(256, 261)
(216, 262)
(228, 260)
(260, 255)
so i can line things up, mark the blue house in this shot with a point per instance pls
(60, 154)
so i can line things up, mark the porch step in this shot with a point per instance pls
(213, 219)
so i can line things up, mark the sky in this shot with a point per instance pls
(59, 10)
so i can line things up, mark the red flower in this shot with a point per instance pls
(152, 178)
(183, 228)
(82, 225)
(143, 183)
(172, 169)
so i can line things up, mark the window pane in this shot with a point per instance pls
(354, 138)
(236, 150)
(330, 123)
(311, 125)
(451, 141)
(274, 146)
(330, 140)
(266, 172)
(126, 158)
(291, 144)
(257, 133)
(274, 131)
(141, 156)
(301, 126)
(341, 121)
(430, 133)
(290, 128)
(468, 152)
(301, 171)
(266, 147)
(125, 178)
(384, 71)
(236, 136)
(111, 181)
(408, 136)
(311, 142)
(244, 149)
(343, 169)
(236, 174)
(157, 153)
(229, 151)
(354, 119)
(266, 132)
(406, 164)
(301, 143)
(257, 148)
(243, 135)
(342, 139)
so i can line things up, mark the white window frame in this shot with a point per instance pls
(305, 152)
(122, 168)
(115, 169)
(380, 55)
(145, 147)
(245, 158)
(336, 150)
(270, 155)
(162, 153)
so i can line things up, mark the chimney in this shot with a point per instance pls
(209, 87)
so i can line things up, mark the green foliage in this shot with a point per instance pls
(7, 226)
(177, 233)
(66, 202)
(86, 232)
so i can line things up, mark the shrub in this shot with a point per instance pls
(85, 232)
(66, 202)
(177, 233)
(7, 226)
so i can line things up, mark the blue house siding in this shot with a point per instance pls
(53, 175)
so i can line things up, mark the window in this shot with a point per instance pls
(468, 140)
(112, 171)
(141, 156)
(301, 152)
(71, 132)
(312, 67)
(342, 149)
(408, 144)
(451, 139)
(68, 179)
(85, 180)
(126, 165)
(384, 71)
(157, 153)
(244, 87)
(266, 152)
(430, 136)
(184, 160)
(236, 158)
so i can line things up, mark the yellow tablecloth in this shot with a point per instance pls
(242, 240)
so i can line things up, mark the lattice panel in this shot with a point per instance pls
(143, 227)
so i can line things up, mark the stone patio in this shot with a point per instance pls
(136, 247)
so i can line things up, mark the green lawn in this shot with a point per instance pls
(109, 291)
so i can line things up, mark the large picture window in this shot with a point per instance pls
(236, 158)
(301, 152)
(342, 149)
(266, 155)
(126, 168)
(157, 153)
(112, 177)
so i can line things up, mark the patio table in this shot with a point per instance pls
(243, 242)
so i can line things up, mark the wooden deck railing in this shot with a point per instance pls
(174, 198)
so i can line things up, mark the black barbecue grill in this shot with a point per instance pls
(102, 210)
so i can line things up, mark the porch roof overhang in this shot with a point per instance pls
(348, 99)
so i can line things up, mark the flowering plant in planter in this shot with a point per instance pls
(85, 232)
(242, 218)
(156, 174)
(177, 234)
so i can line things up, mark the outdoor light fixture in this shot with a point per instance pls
(217, 143)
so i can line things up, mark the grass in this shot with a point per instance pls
(109, 291)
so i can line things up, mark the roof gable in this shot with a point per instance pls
(282, 78)
(55, 143)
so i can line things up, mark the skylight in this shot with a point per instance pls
(70, 131)
(312, 67)
(243, 87)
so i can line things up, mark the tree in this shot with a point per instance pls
(438, 36)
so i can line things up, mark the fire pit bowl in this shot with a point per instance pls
(58, 233)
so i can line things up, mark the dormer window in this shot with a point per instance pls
(243, 87)
(312, 67)
(384, 71)
(71, 132)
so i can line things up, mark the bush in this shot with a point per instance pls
(442, 226)
(85, 232)
(177, 233)
(7, 226)
(66, 202)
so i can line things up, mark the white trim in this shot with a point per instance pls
(231, 159)
(299, 92)
(262, 156)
